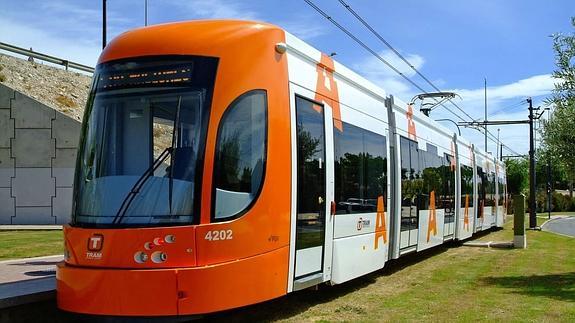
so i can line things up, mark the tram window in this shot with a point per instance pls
(240, 155)
(410, 183)
(360, 169)
(501, 187)
(481, 184)
(447, 196)
(490, 190)
(466, 186)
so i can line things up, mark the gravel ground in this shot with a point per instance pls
(65, 91)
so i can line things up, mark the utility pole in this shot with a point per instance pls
(103, 24)
(485, 119)
(532, 214)
(145, 12)
(497, 150)
(549, 187)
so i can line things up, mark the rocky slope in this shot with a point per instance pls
(65, 91)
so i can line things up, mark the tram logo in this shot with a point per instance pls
(361, 223)
(432, 220)
(326, 88)
(95, 242)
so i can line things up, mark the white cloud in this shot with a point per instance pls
(376, 71)
(305, 28)
(533, 86)
(504, 101)
(23, 35)
(220, 9)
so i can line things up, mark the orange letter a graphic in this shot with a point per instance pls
(326, 88)
(380, 227)
(410, 123)
(432, 221)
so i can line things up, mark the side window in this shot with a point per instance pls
(481, 190)
(466, 186)
(360, 170)
(240, 155)
(411, 183)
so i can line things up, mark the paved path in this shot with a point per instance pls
(561, 225)
(27, 280)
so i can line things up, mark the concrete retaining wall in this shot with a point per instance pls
(37, 159)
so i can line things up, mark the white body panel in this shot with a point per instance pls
(349, 249)
(308, 261)
(356, 256)
(435, 237)
(347, 225)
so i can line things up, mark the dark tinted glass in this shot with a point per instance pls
(490, 190)
(466, 185)
(447, 189)
(143, 134)
(411, 183)
(481, 187)
(311, 174)
(360, 169)
(240, 154)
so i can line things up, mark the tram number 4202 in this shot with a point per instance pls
(215, 235)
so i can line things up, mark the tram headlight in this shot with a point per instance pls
(170, 238)
(159, 257)
(140, 257)
(148, 246)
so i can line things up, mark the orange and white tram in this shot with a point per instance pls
(225, 163)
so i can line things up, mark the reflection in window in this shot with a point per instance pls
(466, 185)
(481, 190)
(411, 183)
(422, 172)
(360, 169)
(240, 154)
(490, 190)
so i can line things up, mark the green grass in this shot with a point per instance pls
(25, 244)
(451, 283)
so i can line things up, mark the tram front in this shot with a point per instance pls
(170, 205)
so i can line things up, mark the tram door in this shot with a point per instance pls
(313, 204)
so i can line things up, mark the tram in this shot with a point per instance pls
(224, 163)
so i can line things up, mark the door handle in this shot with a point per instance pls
(332, 208)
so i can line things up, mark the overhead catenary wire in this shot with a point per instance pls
(378, 36)
(370, 50)
(374, 53)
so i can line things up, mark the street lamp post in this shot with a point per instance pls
(103, 24)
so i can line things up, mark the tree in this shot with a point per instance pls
(558, 132)
(517, 175)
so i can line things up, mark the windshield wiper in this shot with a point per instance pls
(139, 184)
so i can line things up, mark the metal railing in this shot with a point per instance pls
(66, 63)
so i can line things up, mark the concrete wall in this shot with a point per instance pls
(37, 159)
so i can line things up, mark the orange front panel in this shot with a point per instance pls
(117, 292)
(247, 61)
(117, 247)
(229, 285)
(211, 274)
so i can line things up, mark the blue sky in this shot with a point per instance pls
(454, 43)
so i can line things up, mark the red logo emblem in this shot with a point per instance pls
(95, 242)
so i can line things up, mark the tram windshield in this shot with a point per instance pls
(142, 141)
